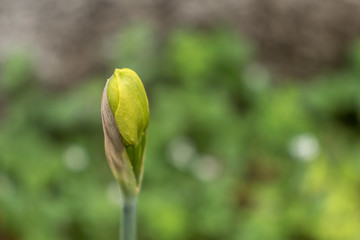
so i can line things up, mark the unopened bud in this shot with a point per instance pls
(125, 117)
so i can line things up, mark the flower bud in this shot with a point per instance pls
(125, 117)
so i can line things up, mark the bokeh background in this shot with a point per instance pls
(254, 129)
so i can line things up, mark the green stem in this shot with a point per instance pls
(128, 223)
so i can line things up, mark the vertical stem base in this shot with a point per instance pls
(128, 223)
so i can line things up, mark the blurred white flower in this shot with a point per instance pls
(304, 147)
(181, 151)
(76, 158)
(256, 77)
(206, 168)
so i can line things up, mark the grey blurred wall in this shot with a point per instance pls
(68, 39)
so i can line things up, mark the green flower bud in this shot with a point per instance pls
(125, 116)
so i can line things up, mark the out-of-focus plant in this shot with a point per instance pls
(125, 117)
(290, 174)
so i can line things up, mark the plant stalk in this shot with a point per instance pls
(128, 223)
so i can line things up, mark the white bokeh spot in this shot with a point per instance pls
(113, 194)
(181, 152)
(76, 158)
(256, 77)
(206, 168)
(304, 147)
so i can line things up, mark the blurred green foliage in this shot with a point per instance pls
(232, 152)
